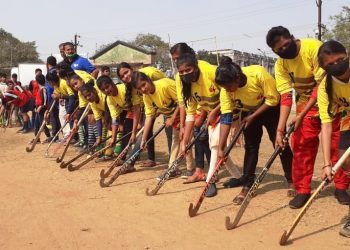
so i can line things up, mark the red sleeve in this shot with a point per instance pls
(287, 99)
(314, 93)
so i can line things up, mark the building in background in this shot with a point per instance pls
(246, 59)
(120, 51)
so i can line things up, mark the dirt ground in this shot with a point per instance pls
(45, 207)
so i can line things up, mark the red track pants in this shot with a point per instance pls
(305, 142)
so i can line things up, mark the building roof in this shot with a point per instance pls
(103, 51)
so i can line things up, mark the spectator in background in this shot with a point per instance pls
(105, 71)
(34, 89)
(3, 84)
(51, 63)
(14, 79)
(77, 62)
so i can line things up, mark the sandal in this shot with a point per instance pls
(148, 164)
(291, 192)
(197, 176)
(238, 200)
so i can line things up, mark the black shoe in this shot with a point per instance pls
(25, 131)
(299, 201)
(232, 182)
(342, 196)
(20, 130)
(211, 190)
(345, 230)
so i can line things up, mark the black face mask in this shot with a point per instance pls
(189, 77)
(338, 69)
(290, 52)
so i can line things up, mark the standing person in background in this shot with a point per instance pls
(14, 79)
(105, 71)
(34, 89)
(51, 63)
(41, 106)
(297, 67)
(77, 62)
(333, 100)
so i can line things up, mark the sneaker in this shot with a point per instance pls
(345, 230)
(187, 173)
(211, 190)
(232, 182)
(173, 174)
(342, 196)
(299, 201)
(47, 140)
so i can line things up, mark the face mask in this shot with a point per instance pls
(290, 52)
(188, 78)
(338, 69)
(71, 56)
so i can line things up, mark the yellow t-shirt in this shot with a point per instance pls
(341, 102)
(153, 73)
(63, 89)
(305, 71)
(98, 107)
(260, 88)
(205, 93)
(117, 103)
(86, 77)
(164, 98)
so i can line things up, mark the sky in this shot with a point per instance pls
(236, 24)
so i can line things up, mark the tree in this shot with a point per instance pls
(207, 56)
(13, 51)
(155, 43)
(340, 29)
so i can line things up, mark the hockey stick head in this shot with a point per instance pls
(284, 238)
(103, 184)
(228, 223)
(151, 192)
(71, 168)
(102, 174)
(192, 211)
(29, 149)
(63, 165)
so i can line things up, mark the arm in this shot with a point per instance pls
(170, 121)
(137, 112)
(225, 126)
(213, 115)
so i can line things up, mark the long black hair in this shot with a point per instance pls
(128, 93)
(102, 80)
(53, 77)
(181, 48)
(329, 48)
(190, 60)
(139, 76)
(228, 72)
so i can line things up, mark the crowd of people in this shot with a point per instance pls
(216, 99)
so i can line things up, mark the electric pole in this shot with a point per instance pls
(319, 23)
(76, 42)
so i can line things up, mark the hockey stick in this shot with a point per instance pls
(73, 131)
(104, 174)
(126, 164)
(256, 184)
(192, 210)
(59, 131)
(85, 151)
(325, 181)
(41, 129)
(173, 166)
(93, 156)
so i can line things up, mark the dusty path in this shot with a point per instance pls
(45, 207)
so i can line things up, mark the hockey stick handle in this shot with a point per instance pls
(325, 181)
(60, 130)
